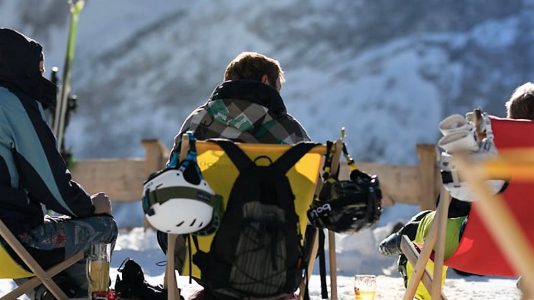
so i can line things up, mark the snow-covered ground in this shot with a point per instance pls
(356, 254)
(340, 60)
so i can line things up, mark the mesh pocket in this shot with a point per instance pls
(260, 258)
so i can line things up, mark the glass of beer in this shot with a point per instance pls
(364, 287)
(97, 271)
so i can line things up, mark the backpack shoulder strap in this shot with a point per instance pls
(293, 155)
(236, 154)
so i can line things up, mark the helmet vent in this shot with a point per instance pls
(180, 224)
(200, 225)
(193, 223)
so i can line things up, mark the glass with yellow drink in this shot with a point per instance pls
(364, 287)
(98, 271)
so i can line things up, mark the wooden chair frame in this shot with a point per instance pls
(170, 282)
(41, 276)
(331, 239)
(434, 241)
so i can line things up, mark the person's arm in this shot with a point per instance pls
(295, 129)
(42, 170)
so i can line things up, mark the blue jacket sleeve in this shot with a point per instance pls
(42, 170)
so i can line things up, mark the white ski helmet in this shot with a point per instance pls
(173, 204)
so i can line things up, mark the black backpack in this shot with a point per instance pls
(256, 252)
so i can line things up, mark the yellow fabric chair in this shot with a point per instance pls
(12, 270)
(220, 173)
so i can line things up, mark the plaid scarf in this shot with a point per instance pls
(244, 111)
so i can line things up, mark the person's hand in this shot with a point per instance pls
(101, 203)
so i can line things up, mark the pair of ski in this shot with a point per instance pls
(62, 107)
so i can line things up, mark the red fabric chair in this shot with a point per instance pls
(478, 252)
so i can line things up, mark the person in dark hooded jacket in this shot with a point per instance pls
(33, 173)
(246, 107)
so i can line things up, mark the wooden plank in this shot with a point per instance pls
(335, 166)
(439, 247)
(399, 183)
(155, 160)
(428, 176)
(35, 281)
(121, 179)
(155, 155)
(412, 255)
(34, 266)
(311, 263)
(424, 256)
(169, 280)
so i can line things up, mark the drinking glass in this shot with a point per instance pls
(97, 271)
(364, 287)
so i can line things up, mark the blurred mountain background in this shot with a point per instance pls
(388, 71)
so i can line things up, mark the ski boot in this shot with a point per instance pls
(390, 246)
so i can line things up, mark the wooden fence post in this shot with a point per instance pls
(429, 176)
(155, 157)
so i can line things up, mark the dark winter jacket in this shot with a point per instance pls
(32, 171)
(244, 111)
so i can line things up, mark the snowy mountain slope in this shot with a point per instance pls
(388, 71)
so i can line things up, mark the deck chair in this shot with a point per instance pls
(220, 173)
(499, 236)
(11, 269)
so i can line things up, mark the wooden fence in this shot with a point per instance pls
(122, 179)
